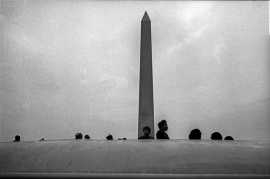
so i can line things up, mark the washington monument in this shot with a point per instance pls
(146, 104)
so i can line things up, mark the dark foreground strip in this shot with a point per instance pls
(125, 175)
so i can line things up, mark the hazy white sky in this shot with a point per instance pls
(73, 66)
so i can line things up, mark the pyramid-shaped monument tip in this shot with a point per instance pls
(145, 17)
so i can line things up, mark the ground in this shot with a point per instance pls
(132, 157)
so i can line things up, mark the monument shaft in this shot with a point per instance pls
(146, 104)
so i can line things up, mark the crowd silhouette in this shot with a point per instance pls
(78, 136)
(17, 138)
(228, 138)
(195, 134)
(163, 126)
(146, 132)
(109, 137)
(216, 136)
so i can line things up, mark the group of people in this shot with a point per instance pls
(80, 136)
(163, 127)
(161, 134)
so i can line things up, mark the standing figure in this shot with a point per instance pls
(195, 134)
(216, 136)
(146, 132)
(17, 138)
(109, 137)
(161, 134)
(228, 138)
(78, 136)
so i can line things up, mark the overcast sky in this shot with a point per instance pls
(73, 66)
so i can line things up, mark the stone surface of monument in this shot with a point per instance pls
(146, 103)
(136, 159)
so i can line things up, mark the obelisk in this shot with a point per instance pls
(146, 104)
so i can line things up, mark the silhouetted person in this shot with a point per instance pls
(17, 138)
(195, 134)
(146, 132)
(109, 137)
(78, 136)
(87, 136)
(216, 136)
(161, 134)
(41, 139)
(228, 138)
